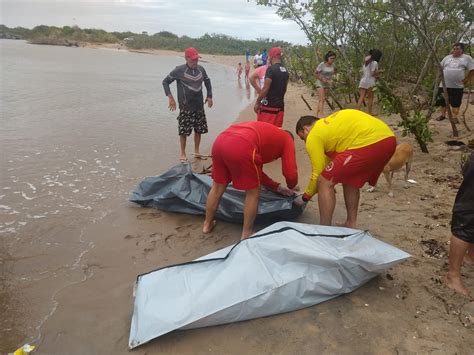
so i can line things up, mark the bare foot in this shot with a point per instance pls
(208, 228)
(347, 225)
(245, 235)
(455, 283)
(183, 159)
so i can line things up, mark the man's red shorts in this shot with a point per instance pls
(236, 159)
(355, 167)
(271, 115)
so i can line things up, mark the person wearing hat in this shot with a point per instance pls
(189, 78)
(270, 105)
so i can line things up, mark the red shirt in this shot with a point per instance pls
(271, 143)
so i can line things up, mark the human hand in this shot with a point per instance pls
(256, 107)
(285, 191)
(171, 103)
(209, 102)
(298, 201)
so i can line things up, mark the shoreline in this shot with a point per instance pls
(229, 60)
(406, 310)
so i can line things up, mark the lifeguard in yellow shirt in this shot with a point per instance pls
(348, 147)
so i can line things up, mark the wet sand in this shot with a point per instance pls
(407, 310)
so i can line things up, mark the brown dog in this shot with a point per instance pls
(403, 156)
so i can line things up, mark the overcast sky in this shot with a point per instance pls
(237, 18)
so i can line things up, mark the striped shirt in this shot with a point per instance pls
(189, 84)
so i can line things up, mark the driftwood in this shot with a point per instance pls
(306, 102)
(463, 116)
(201, 156)
(333, 96)
(207, 170)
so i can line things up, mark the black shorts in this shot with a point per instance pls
(462, 223)
(189, 120)
(454, 96)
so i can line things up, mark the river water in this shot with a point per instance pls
(79, 129)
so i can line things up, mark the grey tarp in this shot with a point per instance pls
(284, 267)
(182, 190)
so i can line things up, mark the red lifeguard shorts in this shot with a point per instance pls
(271, 115)
(236, 159)
(355, 167)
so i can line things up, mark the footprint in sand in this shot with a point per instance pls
(192, 226)
(129, 236)
(149, 215)
(169, 238)
(149, 248)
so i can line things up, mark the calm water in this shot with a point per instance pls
(77, 124)
(80, 128)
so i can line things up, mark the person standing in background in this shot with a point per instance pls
(270, 104)
(366, 84)
(257, 79)
(264, 56)
(324, 74)
(454, 66)
(239, 70)
(257, 60)
(189, 79)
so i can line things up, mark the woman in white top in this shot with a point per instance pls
(367, 82)
(324, 74)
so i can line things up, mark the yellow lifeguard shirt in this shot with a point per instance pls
(341, 131)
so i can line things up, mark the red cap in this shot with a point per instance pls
(191, 53)
(275, 52)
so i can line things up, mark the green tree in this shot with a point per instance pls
(413, 35)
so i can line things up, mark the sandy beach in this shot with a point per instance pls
(408, 310)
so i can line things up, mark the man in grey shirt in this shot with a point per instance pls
(454, 67)
(189, 78)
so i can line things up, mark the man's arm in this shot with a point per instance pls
(288, 164)
(168, 80)
(264, 90)
(166, 86)
(263, 93)
(254, 82)
(269, 183)
(207, 84)
(315, 149)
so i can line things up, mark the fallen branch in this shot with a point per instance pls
(333, 96)
(463, 119)
(306, 102)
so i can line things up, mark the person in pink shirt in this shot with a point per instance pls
(258, 78)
